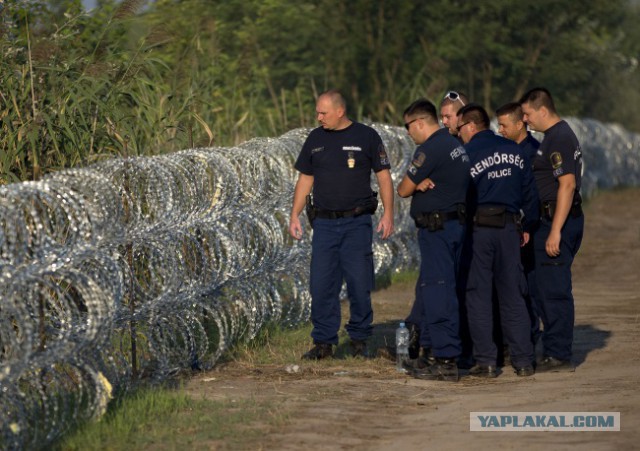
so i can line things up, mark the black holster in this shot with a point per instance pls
(310, 210)
(548, 209)
(491, 216)
(434, 220)
(369, 206)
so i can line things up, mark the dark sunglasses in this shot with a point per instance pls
(453, 96)
(408, 124)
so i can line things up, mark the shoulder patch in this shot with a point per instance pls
(419, 159)
(556, 160)
(384, 159)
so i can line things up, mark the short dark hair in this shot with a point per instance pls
(476, 114)
(513, 109)
(539, 97)
(336, 97)
(422, 107)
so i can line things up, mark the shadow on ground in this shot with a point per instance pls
(587, 338)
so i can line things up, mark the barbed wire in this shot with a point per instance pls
(133, 270)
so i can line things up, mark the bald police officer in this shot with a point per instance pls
(336, 160)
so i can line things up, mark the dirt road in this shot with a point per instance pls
(367, 405)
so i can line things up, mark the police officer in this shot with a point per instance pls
(449, 106)
(336, 160)
(438, 214)
(503, 185)
(511, 125)
(558, 171)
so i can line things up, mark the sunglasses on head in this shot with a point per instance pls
(453, 96)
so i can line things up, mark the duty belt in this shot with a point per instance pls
(495, 216)
(369, 207)
(333, 214)
(434, 220)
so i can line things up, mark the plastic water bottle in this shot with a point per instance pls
(402, 346)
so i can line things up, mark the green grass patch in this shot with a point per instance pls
(274, 345)
(169, 419)
(389, 278)
(404, 277)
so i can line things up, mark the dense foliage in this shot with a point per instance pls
(140, 78)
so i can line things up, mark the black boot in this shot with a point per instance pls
(319, 351)
(358, 348)
(440, 370)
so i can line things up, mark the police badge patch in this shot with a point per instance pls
(384, 159)
(419, 159)
(556, 163)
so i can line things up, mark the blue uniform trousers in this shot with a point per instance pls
(496, 262)
(341, 249)
(553, 286)
(436, 291)
(415, 315)
(528, 263)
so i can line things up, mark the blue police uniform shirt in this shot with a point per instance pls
(341, 162)
(530, 146)
(444, 160)
(502, 175)
(559, 154)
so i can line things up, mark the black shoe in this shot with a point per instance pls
(359, 348)
(553, 365)
(488, 371)
(420, 363)
(319, 351)
(440, 370)
(427, 357)
(524, 371)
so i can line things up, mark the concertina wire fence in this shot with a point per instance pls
(132, 270)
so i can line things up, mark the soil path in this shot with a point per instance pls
(367, 405)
